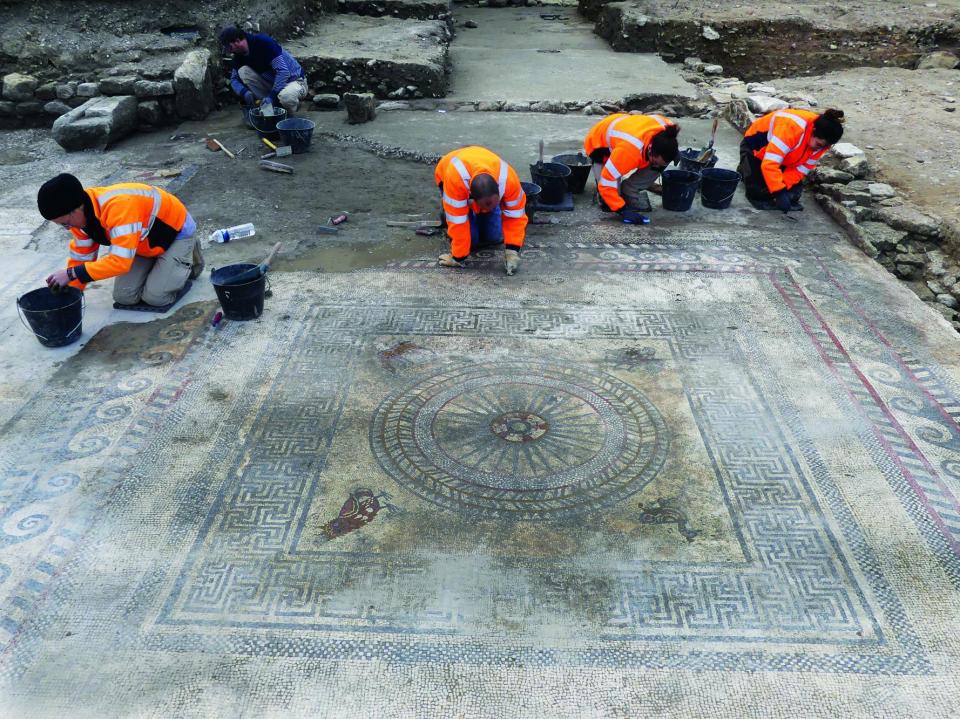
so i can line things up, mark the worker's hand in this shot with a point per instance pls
(249, 99)
(632, 217)
(446, 260)
(782, 199)
(58, 279)
(511, 261)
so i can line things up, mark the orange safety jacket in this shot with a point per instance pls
(453, 175)
(786, 158)
(130, 219)
(627, 138)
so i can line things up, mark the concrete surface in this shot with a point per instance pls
(516, 55)
(705, 467)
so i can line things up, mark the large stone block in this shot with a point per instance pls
(909, 219)
(762, 104)
(193, 85)
(118, 85)
(18, 87)
(939, 59)
(97, 123)
(149, 88)
(361, 107)
(46, 92)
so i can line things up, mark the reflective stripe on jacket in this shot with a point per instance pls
(626, 137)
(786, 158)
(455, 172)
(129, 219)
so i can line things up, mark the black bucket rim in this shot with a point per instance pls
(246, 266)
(587, 162)
(78, 297)
(313, 125)
(539, 166)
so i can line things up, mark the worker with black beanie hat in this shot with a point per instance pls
(139, 234)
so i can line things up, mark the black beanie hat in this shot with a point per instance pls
(60, 196)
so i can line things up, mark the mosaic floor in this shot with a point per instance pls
(675, 479)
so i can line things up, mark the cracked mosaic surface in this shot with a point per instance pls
(735, 468)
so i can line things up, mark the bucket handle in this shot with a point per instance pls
(83, 309)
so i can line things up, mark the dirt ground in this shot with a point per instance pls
(907, 123)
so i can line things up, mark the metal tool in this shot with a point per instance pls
(255, 273)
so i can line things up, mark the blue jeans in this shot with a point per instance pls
(486, 229)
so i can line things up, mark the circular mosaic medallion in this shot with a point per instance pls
(524, 440)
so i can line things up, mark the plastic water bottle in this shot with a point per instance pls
(233, 233)
(266, 107)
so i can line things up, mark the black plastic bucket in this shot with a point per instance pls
(532, 191)
(580, 167)
(679, 189)
(266, 125)
(239, 302)
(552, 178)
(717, 187)
(56, 318)
(296, 132)
(688, 160)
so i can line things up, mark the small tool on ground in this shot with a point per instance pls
(709, 152)
(327, 230)
(276, 167)
(280, 150)
(413, 223)
(215, 322)
(339, 218)
(214, 144)
(255, 273)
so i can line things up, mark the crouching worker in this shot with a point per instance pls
(139, 234)
(629, 152)
(483, 205)
(780, 149)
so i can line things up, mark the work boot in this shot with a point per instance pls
(511, 261)
(198, 263)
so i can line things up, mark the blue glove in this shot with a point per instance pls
(248, 98)
(782, 199)
(632, 217)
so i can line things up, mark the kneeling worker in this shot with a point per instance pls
(622, 144)
(483, 204)
(146, 236)
(780, 149)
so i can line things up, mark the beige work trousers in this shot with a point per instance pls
(156, 280)
(633, 184)
(289, 97)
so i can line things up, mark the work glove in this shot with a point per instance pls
(632, 217)
(782, 199)
(249, 99)
(511, 261)
(446, 260)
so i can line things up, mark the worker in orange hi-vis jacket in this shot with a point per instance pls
(629, 152)
(139, 234)
(780, 149)
(483, 205)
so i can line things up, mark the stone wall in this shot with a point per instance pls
(920, 249)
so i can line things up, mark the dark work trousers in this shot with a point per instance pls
(753, 181)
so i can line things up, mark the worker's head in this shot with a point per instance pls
(663, 147)
(233, 39)
(827, 129)
(61, 200)
(485, 191)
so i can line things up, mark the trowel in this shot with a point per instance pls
(704, 157)
(255, 273)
